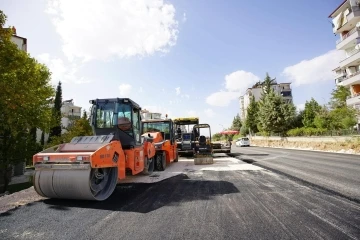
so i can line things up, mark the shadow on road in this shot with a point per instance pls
(147, 197)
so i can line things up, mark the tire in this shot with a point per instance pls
(149, 166)
(161, 161)
(177, 156)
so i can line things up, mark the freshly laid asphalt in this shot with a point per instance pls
(242, 203)
(334, 172)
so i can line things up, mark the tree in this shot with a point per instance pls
(81, 127)
(339, 96)
(252, 115)
(236, 124)
(24, 100)
(266, 84)
(216, 137)
(55, 131)
(311, 109)
(275, 115)
(298, 120)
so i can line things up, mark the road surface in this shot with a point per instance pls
(228, 200)
(338, 173)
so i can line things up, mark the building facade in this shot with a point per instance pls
(282, 89)
(346, 24)
(21, 42)
(69, 113)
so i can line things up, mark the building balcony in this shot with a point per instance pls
(351, 79)
(286, 93)
(351, 19)
(355, 100)
(350, 39)
(352, 59)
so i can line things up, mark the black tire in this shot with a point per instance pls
(161, 161)
(149, 166)
(177, 156)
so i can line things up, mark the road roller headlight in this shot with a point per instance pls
(46, 158)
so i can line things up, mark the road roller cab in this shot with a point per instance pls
(89, 167)
(163, 134)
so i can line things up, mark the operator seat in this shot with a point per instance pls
(202, 140)
(124, 123)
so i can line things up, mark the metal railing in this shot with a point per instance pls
(345, 36)
(351, 53)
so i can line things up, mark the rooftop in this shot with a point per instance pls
(331, 14)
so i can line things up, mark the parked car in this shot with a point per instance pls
(242, 142)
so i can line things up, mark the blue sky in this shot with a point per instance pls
(181, 57)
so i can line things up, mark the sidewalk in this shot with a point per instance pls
(23, 178)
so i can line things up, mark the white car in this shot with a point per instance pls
(241, 142)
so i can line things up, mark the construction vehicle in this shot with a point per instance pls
(203, 153)
(163, 135)
(186, 138)
(89, 167)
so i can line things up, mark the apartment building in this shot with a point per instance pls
(69, 112)
(346, 24)
(282, 89)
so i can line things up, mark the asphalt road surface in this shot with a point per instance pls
(334, 172)
(228, 200)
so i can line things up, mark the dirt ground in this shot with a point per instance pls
(352, 147)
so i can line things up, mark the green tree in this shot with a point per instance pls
(216, 137)
(311, 109)
(81, 127)
(24, 100)
(323, 119)
(236, 124)
(55, 131)
(251, 120)
(275, 115)
(266, 84)
(298, 120)
(339, 96)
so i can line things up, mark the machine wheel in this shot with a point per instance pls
(161, 161)
(149, 166)
(177, 156)
(90, 184)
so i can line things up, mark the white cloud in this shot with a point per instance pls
(177, 90)
(125, 89)
(209, 112)
(318, 69)
(93, 29)
(236, 84)
(240, 81)
(61, 71)
(300, 106)
(184, 95)
(221, 99)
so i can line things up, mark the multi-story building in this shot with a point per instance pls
(21, 42)
(282, 89)
(69, 113)
(346, 24)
